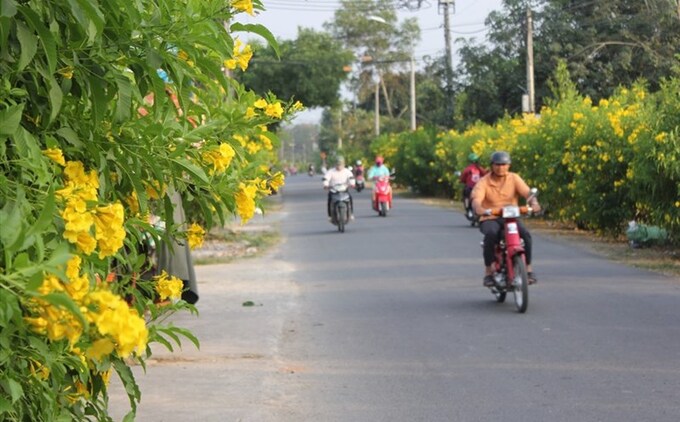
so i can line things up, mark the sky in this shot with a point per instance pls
(283, 17)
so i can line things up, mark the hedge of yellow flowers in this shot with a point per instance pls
(109, 111)
(597, 166)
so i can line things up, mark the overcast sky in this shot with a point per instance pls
(283, 17)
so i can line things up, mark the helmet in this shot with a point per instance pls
(378, 160)
(473, 157)
(500, 157)
(358, 162)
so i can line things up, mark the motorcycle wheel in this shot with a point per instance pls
(383, 209)
(341, 214)
(520, 285)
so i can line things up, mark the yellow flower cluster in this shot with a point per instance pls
(116, 325)
(274, 110)
(108, 228)
(241, 56)
(244, 6)
(245, 201)
(195, 234)
(219, 158)
(168, 286)
(114, 319)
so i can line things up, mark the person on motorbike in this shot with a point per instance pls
(501, 187)
(376, 171)
(358, 169)
(337, 175)
(470, 176)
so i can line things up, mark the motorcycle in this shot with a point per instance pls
(510, 273)
(360, 184)
(470, 214)
(340, 206)
(383, 195)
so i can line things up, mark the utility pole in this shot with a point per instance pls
(530, 62)
(413, 93)
(377, 108)
(444, 5)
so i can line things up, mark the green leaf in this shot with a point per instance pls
(46, 39)
(11, 219)
(124, 103)
(193, 169)
(128, 379)
(15, 389)
(46, 216)
(98, 96)
(56, 97)
(259, 30)
(10, 119)
(70, 136)
(89, 17)
(5, 406)
(29, 45)
(188, 334)
(7, 8)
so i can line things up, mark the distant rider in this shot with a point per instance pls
(339, 175)
(374, 173)
(499, 188)
(358, 170)
(470, 176)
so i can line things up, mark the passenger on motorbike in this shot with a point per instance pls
(500, 187)
(470, 176)
(376, 171)
(337, 175)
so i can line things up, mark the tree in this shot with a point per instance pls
(310, 69)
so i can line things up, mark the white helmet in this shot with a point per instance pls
(358, 162)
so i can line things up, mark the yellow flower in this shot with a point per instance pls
(168, 286)
(277, 181)
(244, 6)
(108, 228)
(114, 318)
(250, 113)
(195, 235)
(219, 158)
(298, 106)
(261, 103)
(100, 348)
(245, 202)
(274, 110)
(55, 155)
(66, 72)
(241, 56)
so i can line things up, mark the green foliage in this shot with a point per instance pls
(93, 142)
(596, 165)
(309, 69)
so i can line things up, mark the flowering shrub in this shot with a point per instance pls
(108, 109)
(596, 165)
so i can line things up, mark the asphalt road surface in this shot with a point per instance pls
(389, 321)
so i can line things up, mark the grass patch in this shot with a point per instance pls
(228, 244)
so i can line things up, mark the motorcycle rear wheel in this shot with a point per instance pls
(520, 284)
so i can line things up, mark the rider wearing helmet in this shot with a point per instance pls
(336, 175)
(470, 176)
(500, 187)
(378, 170)
(358, 169)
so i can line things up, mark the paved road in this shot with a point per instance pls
(389, 322)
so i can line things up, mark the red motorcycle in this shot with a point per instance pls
(511, 271)
(383, 195)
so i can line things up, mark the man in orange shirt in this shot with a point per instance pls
(500, 187)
